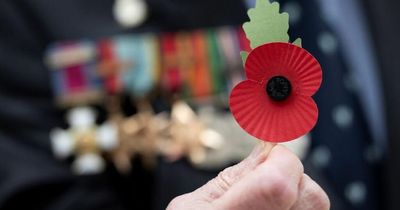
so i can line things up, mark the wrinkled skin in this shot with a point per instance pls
(270, 178)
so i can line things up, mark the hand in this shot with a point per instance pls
(270, 178)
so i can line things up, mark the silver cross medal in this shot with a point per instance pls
(84, 140)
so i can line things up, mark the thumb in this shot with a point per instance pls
(272, 185)
(218, 186)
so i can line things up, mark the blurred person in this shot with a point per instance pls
(354, 143)
(31, 177)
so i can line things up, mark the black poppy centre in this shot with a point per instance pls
(278, 88)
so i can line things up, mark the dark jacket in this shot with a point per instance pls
(30, 177)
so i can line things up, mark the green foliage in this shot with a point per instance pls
(297, 42)
(266, 24)
(244, 55)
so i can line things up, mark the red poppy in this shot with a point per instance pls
(274, 103)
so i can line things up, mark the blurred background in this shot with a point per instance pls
(123, 104)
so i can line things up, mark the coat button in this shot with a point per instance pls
(130, 13)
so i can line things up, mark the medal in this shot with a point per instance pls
(84, 140)
(152, 58)
(172, 78)
(136, 133)
(196, 66)
(216, 66)
(73, 73)
(139, 78)
(109, 67)
(230, 47)
(137, 136)
(185, 62)
(182, 143)
(201, 79)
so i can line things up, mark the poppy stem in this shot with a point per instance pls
(267, 147)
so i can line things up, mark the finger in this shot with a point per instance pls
(272, 185)
(311, 196)
(216, 187)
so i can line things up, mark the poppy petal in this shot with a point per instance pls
(269, 120)
(288, 60)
